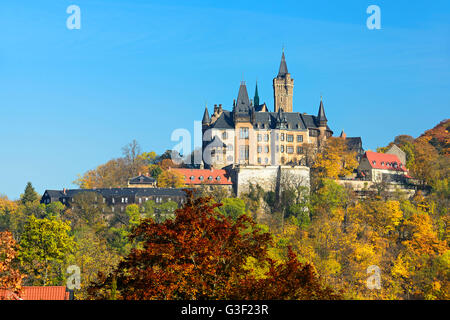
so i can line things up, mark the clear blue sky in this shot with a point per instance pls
(70, 99)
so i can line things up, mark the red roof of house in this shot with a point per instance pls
(385, 161)
(37, 293)
(204, 176)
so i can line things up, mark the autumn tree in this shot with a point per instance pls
(93, 255)
(201, 255)
(10, 276)
(170, 179)
(335, 160)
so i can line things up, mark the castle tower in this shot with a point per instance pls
(283, 88)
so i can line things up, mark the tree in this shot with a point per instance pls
(335, 160)
(45, 245)
(201, 255)
(30, 195)
(93, 255)
(232, 208)
(170, 179)
(10, 277)
(87, 209)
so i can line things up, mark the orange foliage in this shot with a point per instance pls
(202, 255)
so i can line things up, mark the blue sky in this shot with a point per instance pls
(70, 99)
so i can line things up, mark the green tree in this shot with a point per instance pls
(45, 245)
(30, 195)
(232, 208)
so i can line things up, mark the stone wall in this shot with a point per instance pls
(268, 177)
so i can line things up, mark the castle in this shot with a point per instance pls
(250, 135)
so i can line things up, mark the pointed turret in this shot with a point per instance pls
(321, 118)
(206, 119)
(256, 98)
(243, 102)
(283, 67)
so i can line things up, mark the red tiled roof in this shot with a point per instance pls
(204, 176)
(385, 161)
(37, 293)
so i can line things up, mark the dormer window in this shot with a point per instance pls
(374, 162)
(201, 178)
(218, 178)
(192, 178)
(210, 178)
(382, 163)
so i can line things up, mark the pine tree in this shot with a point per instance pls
(30, 195)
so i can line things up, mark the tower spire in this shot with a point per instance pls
(321, 118)
(256, 97)
(283, 67)
(206, 118)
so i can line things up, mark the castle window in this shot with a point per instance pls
(290, 150)
(259, 149)
(243, 133)
(313, 133)
(282, 149)
(290, 138)
(230, 147)
(224, 135)
(282, 137)
(259, 137)
(299, 138)
(259, 160)
(243, 152)
(267, 149)
(266, 137)
(299, 150)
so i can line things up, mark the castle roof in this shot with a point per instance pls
(268, 120)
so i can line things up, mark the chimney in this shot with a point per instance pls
(64, 190)
(139, 174)
(220, 107)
